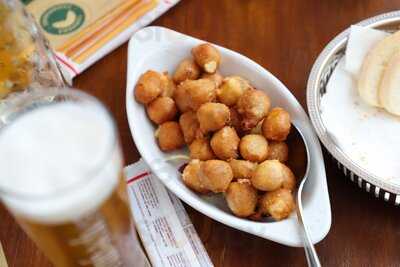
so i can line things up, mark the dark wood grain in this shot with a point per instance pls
(284, 36)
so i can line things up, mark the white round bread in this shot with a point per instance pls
(374, 66)
(389, 91)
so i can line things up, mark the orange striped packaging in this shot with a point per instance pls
(83, 31)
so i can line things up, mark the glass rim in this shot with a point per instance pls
(29, 99)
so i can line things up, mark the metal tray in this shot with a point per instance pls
(316, 88)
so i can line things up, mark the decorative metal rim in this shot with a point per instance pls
(368, 187)
(316, 86)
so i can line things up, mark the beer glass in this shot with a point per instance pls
(61, 178)
(26, 61)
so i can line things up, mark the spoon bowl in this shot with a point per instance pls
(300, 165)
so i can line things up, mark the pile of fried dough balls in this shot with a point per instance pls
(236, 142)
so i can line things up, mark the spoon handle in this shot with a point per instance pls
(311, 254)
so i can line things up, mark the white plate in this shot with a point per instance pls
(321, 72)
(162, 49)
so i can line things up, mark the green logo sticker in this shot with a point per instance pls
(62, 19)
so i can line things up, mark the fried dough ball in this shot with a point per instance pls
(268, 176)
(257, 129)
(200, 91)
(253, 106)
(207, 57)
(161, 110)
(225, 143)
(254, 147)
(191, 176)
(242, 198)
(213, 116)
(235, 121)
(232, 89)
(279, 204)
(277, 125)
(189, 125)
(278, 151)
(257, 215)
(182, 99)
(150, 85)
(289, 180)
(171, 87)
(242, 169)
(186, 70)
(216, 175)
(201, 149)
(215, 77)
(169, 136)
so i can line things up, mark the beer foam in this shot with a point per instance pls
(58, 162)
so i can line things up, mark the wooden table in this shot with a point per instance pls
(284, 36)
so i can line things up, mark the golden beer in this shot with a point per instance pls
(25, 59)
(15, 66)
(93, 240)
(64, 181)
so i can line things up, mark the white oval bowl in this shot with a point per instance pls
(162, 49)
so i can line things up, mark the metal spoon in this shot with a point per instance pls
(299, 163)
(301, 167)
